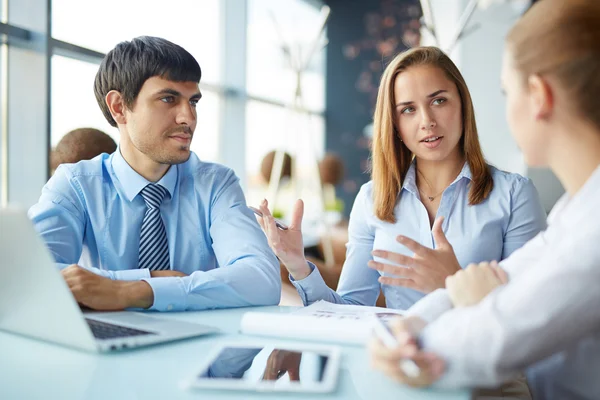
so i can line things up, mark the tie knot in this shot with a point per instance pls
(153, 195)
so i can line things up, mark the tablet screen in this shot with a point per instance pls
(277, 367)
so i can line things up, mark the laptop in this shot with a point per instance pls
(35, 301)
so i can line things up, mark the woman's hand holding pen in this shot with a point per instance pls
(426, 270)
(406, 330)
(286, 244)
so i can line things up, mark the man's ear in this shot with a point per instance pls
(116, 106)
(541, 97)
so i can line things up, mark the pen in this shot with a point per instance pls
(260, 214)
(382, 331)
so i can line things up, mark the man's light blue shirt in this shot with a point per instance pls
(492, 230)
(91, 213)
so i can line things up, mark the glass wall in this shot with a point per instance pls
(197, 30)
(72, 99)
(3, 112)
(282, 35)
(272, 26)
(206, 137)
(46, 78)
(100, 25)
(3, 127)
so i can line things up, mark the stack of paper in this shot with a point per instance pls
(321, 321)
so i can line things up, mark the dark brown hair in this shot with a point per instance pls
(81, 144)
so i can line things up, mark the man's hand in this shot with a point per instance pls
(469, 286)
(100, 293)
(280, 362)
(389, 360)
(427, 270)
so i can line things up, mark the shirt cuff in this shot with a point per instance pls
(313, 287)
(169, 293)
(102, 272)
(125, 275)
(131, 274)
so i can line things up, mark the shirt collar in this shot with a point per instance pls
(568, 204)
(464, 173)
(410, 180)
(133, 183)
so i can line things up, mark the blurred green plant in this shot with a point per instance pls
(337, 205)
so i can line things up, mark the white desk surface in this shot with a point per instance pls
(31, 369)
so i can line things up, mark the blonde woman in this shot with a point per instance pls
(433, 206)
(544, 315)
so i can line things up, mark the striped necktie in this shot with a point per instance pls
(154, 247)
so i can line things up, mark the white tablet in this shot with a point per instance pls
(258, 366)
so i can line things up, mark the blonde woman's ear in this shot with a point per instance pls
(542, 98)
(398, 134)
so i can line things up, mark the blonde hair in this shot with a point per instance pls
(391, 157)
(562, 39)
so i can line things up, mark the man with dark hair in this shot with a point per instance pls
(81, 144)
(152, 226)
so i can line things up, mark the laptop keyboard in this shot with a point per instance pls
(104, 330)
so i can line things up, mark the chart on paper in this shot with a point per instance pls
(326, 310)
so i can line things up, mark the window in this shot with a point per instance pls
(100, 25)
(3, 127)
(259, 81)
(3, 115)
(269, 74)
(206, 137)
(271, 127)
(73, 104)
(271, 124)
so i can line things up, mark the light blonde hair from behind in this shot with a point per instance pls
(562, 39)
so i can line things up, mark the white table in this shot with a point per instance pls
(31, 369)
